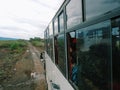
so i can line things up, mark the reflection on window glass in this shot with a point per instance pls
(94, 57)
(74, 13)
(61, 22)
(47, 32)
(116, 53)
(47, 39)
(48, 46)
(51, 29)
(51, 48)
(61, 53)
(56, 26)
(98, 7)
(56, 49)
(72, 61)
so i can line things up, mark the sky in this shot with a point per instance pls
(24, 19)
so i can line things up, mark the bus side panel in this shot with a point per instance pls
(53, 75)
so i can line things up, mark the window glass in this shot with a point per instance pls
(56, 49)
(94, 57)
(47, 40)
(56, 26)
(47, 33)
(48, 46)
(51, 29)
(45, 37)
(98, 7)
(61, 22)
(71, 52)
(116, 53)
(74, 13)
(51, 48)
(61, 54)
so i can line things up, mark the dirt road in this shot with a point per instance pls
(20, 73)
(39, 69)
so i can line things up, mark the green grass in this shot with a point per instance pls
(10, 53)
(13, 45)
(38, 43)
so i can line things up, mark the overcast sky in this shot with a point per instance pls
(26, 19)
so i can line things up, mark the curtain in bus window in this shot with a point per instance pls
(94, 57)
(99, 7)
(74, 13)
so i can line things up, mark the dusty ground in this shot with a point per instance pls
(18, 75)
(39, 69)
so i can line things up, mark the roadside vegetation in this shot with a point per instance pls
(16, 64)
(13, 45)
(10, 53)
(38, 43)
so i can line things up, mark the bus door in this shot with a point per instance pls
(116, 53)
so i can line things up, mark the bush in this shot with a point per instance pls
(38, 42)
(14, 46)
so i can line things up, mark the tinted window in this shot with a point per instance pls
(61, 22)
(47, 40)
(56, 49)
(61, 53)
(51, 48)
(47, 33)
(94, 57)
(116, 53)
(45, 37)
(50, 29)
(48, 46)
(98, 7)
(71, 52)
(74, 13)
(56, 26)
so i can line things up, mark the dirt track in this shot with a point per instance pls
(39, 69)
(21, 78)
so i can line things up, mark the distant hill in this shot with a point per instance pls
(5, 38)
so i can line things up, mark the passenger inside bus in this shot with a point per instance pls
(73, 68)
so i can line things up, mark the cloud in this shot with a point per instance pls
(35, 23)
(44, 4)
(26, 18)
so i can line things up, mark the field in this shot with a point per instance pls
(16, 64)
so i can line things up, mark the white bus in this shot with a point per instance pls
(82, 46)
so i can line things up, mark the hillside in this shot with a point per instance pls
(5, 38)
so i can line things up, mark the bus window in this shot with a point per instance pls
(72, 63)
(94, 57)
(51, 29)
(51, 47)
(61, 22)
(74, 13)
(116, 53)
(61, 53)
(99, 7)
(56, 26)
(56, 50)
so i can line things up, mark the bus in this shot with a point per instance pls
(82, 46)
